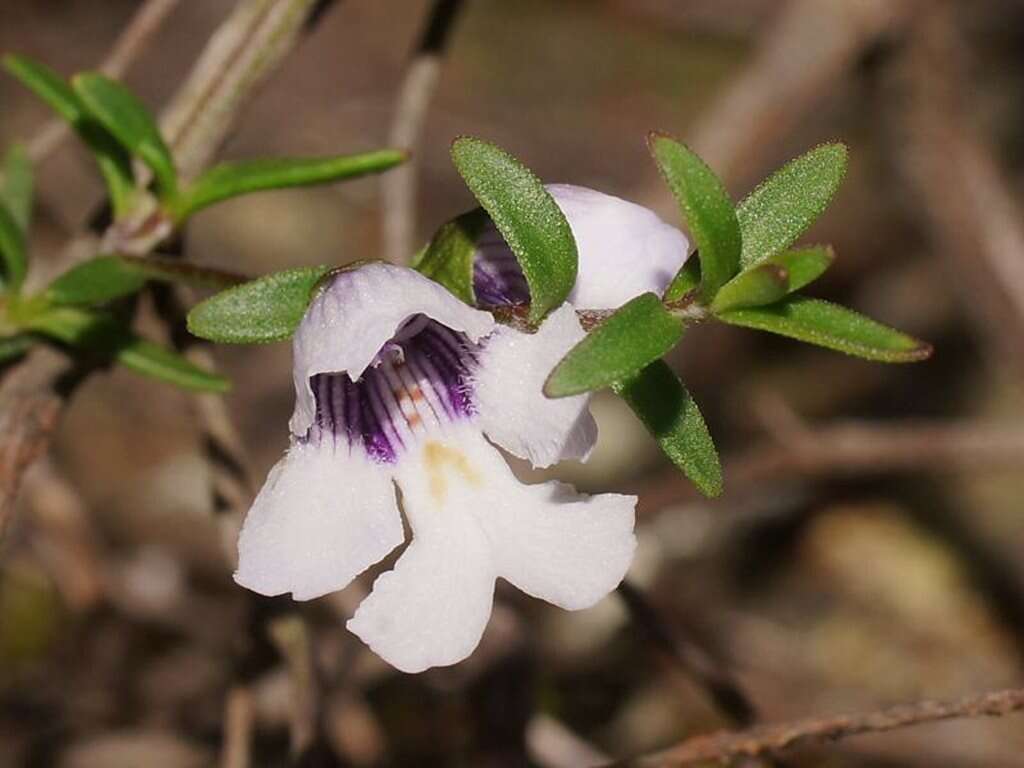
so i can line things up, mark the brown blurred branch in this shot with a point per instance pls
(693, 659)
(811, 44)
(31, 400)
(128, 46)
(851, 448)
(974, 217)
(236, 751)
(241, 54)
(771, 739)
(398, 188)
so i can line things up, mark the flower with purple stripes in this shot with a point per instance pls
(400, 384)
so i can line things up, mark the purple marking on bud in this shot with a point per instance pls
(498, 279)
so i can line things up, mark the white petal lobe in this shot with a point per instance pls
(431, 610)
(352, 318)
(514, 412)
(323, 517)
(472, 520)
(624, 249)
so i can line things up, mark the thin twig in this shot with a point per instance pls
(771, 739)
(811, 45)
(855, 448)
(241, 54)
(236, 751)
(695, 661)
(33, 392)
(398, 188)
(291, 637)
(974, 217)
(129, 45)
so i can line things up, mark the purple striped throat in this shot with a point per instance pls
(419, 381)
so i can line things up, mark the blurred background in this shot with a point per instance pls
(867, 550)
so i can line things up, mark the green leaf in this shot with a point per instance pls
(128, 120)
(12, 249)
(158, 362)
(96, 281)
(16, 192)
(638, 333)
(106, 278)
(233, 179)
(832, 326)
(773, 278)
(260, 311)
(763, 284)
(660, 400)
(686, 279)
(99, 334)
(781, 209)
(114, 162)
(527, 217)
(448, 259)
(803, 265)
(706, 207)
(12, 347)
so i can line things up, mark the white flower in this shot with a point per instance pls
(624, 250)
(397, 384)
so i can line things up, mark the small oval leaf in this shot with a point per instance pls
(763, 284)
(781, 209)
(638, 333)
(128, 120)
(832, 326)
(260, 311)
(527, 217)
(661, 402)
(233, 179)
(803, 265)
(706, 206)
(110, 277)
(114, 162)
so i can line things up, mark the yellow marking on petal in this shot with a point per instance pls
(437, 458)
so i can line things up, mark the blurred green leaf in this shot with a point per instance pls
(763, 284)
(12, 249)
(158, 362)
(260, 311)
(99, 334)
(16, 191)
(686, 279)
(781, 209)
(706, 206)
(448, 259)
(527, 217)
(12, 347)
(110, 277)
(234, 179)
(96, 281)
(128, 120)
(660, 400)
(832, 326)
(114, 162)
(638, 333)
